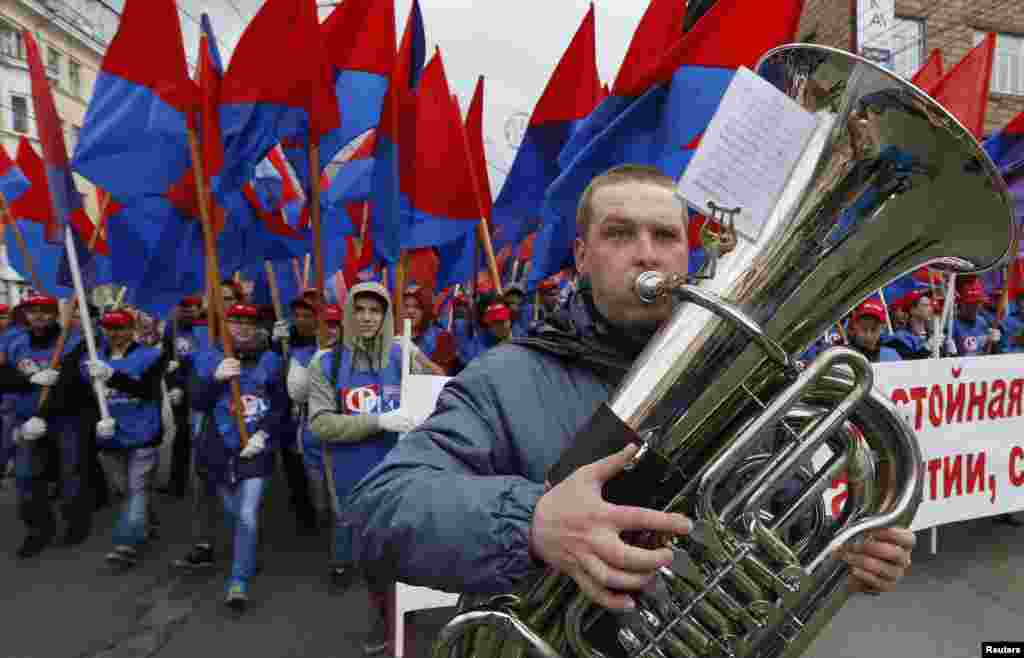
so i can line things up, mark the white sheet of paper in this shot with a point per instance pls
(748, 152)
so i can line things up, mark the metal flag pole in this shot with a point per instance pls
(83, 307)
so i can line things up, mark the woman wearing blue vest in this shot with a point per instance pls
(240, 474)
(128, 441)
(298, 391)
(355, 409)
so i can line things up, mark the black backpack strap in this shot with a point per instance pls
(335, 371)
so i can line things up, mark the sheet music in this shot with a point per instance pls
(748, 152)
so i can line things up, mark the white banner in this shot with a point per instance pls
(969, 420)
(968, 414)
(875, 22)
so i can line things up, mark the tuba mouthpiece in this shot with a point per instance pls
(649, 286)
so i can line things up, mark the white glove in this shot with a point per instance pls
(46, 377)
(33, 429)
(106, 428)
(281, 330)
(175, 396)
(228, 369)
(172, 366)
(298, 382)
(256, 444)
(951, 347)
(396, 421)
(99, 370)
(995, 335)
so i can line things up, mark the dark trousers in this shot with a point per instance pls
(66, 450)
(298, 482)
(181, 453)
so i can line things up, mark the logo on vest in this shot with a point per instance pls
(183, 346)
(361, 400)
(254, 407)
(29, 366)
(970, 344)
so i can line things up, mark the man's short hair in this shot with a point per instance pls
(620, 174)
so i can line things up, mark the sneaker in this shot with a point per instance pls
(34, 544)
(200, 557)
(236, 598)
(125, 556)
(377, 641)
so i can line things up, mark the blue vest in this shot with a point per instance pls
(28, 360)
(888, 354)
(1013, 325)
(256, 382)
(971, 338)
(138, 420)
(358, 393)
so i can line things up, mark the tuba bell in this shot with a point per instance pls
(732, 432)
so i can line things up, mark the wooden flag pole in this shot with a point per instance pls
(275, 298)
(318, 255)
(216, 293)
(58, 350)
(19, 240)
(305, 269)
(101, 223)
(398, 298)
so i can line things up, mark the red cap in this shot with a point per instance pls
(870, 308)
(117, 319)
(4, 308)
(972, 291)
(40, 300)
(497, 313)
(332, 314)
(908, 300)
(192, 300)
(244, 311)
(547, 285)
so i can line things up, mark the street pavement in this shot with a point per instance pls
(67, 603)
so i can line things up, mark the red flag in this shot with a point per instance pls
(930, 72)
(475, 137)
(660, 28)
(34, 205)
(964, 90)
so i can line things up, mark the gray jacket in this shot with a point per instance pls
(450, 507)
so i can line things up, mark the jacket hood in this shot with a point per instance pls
(375, 349)
(580, 333)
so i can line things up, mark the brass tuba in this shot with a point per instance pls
(737, 437)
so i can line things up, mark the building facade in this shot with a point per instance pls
(951, 26)
(72, 36)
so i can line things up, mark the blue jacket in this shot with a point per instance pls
(265, 400)
(972, 338)
(28, 354)
(450, 506)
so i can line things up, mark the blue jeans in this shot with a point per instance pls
(134, 471)
(242, 505)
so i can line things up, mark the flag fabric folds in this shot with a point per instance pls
(663, 126)
(133, 140)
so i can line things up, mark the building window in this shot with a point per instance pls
(1008, 65)
(11, 43)
(907, 46)
(53, 63)
(19, 114)
(74, 77)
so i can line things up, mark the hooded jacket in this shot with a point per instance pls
(450, 507)
(374, 353)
